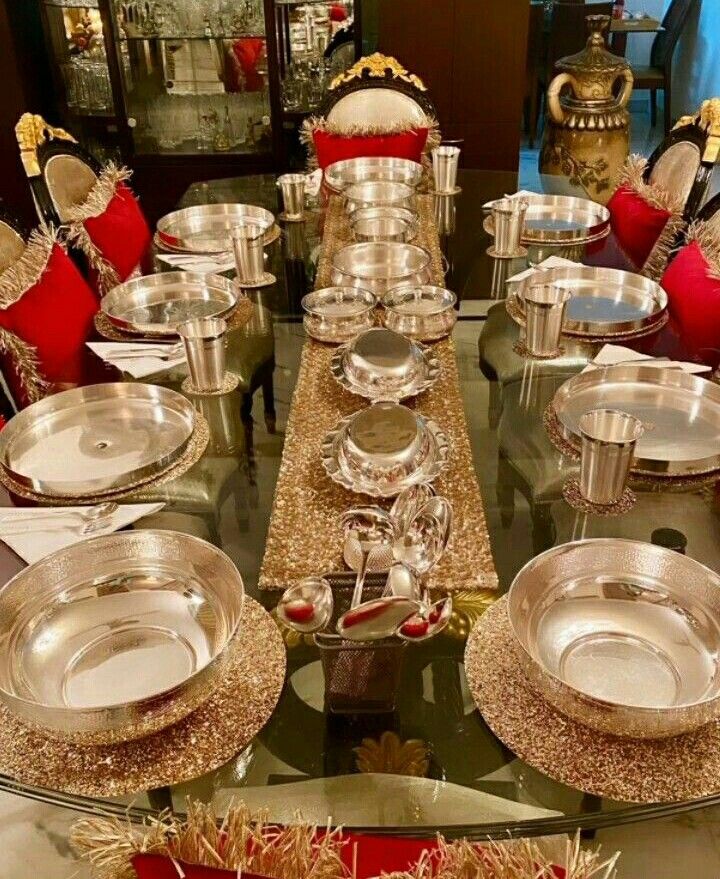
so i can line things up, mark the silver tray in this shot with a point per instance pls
(115, 637)
(96, 439)
(206, 228)
(561, 219)
(680, 412)
(604, 301)
(343, 173)
(157, 303)
(623, 636)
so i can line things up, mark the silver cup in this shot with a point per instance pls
(608, 444)
(204, 340)
(509, 224)
(445, 161)
(544, 314)
(292, 187)
(248, 246)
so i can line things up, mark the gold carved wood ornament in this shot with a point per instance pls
(32, 130)
(377, 66)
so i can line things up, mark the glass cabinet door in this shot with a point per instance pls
(195, 75)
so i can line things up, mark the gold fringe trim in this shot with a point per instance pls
(707, 236)
(26, 364)
(27, 271)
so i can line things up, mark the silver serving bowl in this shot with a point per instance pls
(376, 193)
(347, 171)
(157, 303)
(384, 224)
(382, 358)
(621, 635)
(336, 314)
(379, 266)
(423, 312)
(206, 228)
(118, 636)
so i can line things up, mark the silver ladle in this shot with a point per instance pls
(306, 607)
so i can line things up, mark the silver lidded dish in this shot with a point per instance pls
(381, 364)
(205, 228)
(156, 304)
(383, 449)
(118, 636)
(423, 312)
(384, 224)
(378, 266)
(336, 314)
(376, 193)
(343, 173)
(622, 636)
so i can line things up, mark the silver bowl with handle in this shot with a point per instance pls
(378, 266)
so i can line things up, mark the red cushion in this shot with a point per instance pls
(331, 148)
(636, 224)
(694, 302)
(55, 315)
(121, 232)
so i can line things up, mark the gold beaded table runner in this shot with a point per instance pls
(304, 536)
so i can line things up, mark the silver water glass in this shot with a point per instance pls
(249, 250)
(445, 161)
(292, 187)
(204, 340)
(509, 225)
(609, 438)
(544, 315)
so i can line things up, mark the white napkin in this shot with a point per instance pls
(137, 366)
(611, 354)
(203, 263)
(38, 543)
(313, 181)
(519, 194)
(552, 262)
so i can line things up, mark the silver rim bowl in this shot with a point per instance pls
(386, 441)
(382, 359)
(379, 266)
(384, 224)
(343, 173)
(420, 312)
(374, 193)
(622, 636)
(336, 314)
(118, 636)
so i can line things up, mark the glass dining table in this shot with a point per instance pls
(468, 783)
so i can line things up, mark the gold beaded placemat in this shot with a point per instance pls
(193, 452)
(632, 770)
(304, 537)
(210, 736)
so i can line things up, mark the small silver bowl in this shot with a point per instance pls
(375, 193)
(622, 636)
(384, 224)
(118, 636)
(385, 441)
(423, 312)
(336, 314)
(379, 266)
(347, 171)
(382, 358)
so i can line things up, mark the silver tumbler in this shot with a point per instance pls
(445, 161)
(544, 314)
(509, 224)
(248, 246)
(204, 340)
(608, 445)
(292, 187)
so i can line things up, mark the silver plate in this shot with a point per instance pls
(560, 219)
(366, 383)
(118, 636)
(158, 303)
(623, 636)
(680, 413)
(604, 301)
(343, 173)
(96, 439)
(206, 228)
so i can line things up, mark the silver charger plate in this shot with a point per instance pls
(96, 439)
(560, 219)
(347, 171)
(117, 636)
(156, 304)
(604, 301)
(680, 413)
(206, 228)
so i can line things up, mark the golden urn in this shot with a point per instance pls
(587, 133)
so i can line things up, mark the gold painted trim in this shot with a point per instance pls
(31, 131)
(707, 118)
(377, 66)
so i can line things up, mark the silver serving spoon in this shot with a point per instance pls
(408, 503)
(91, 519)
(376, 619)
(369, 537)
(428, 622)
(307, 606)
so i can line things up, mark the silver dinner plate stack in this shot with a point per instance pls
(560, 219)
(206, 228)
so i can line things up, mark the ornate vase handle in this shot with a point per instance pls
(555, 111)
(627, 88)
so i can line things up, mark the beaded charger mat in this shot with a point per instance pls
(210, 736)
(631, 770)
(193, 452)
(304, 537)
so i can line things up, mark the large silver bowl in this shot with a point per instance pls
(378, 266)
(119, 636)
(336, 314)
(621, 635)
(205, 228)
(343, 173)
(378, 193)
(424, 312)
(384, 223)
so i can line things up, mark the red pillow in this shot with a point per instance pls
(637, 225)
(54, 316)
(694, 302)
(331, 148)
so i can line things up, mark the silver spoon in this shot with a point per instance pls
(376, 619)
(89, 516)
(408, 503)
(428, 622)
(307, 606)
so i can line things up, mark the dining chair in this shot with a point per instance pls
(710, 210)
(658, 75)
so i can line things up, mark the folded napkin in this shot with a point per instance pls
(552, 262)
(117, 353)
(612, 354)
(313, 181)
(57, 527)
(203, 263)
(521, 193)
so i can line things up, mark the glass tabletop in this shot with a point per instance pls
(432, 764)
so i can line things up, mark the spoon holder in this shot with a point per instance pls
(361, 677)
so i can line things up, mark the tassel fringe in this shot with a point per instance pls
(707, 236)
(26, 364)
(27, 271)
